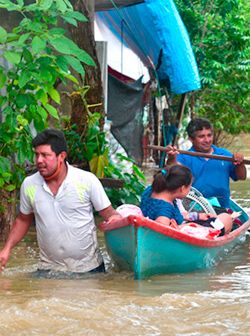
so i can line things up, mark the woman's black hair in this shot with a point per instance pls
(176, 177)
(197, 124)
(52, 137)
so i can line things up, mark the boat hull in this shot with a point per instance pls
(148, 248)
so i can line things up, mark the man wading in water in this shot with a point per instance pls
(61, 199)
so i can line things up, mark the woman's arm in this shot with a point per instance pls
(168, 222)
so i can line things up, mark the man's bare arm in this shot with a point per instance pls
(19, 229)
(109, 214)
(241, 171)
(171, 155)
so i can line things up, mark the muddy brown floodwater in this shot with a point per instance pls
(211, 302)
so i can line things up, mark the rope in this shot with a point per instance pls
(136, 40)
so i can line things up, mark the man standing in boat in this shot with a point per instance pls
(211, 177)
(61, 198)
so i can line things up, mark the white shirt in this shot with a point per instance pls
(65, 225)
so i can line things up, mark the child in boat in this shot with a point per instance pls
(159, 201)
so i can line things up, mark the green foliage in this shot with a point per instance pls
(75, 145)
(219, 32)
(95, 142)
(39, 55)
(134, 181)
(94, 149)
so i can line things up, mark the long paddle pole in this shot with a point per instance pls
(209, 156)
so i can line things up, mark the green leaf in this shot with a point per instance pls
(27, 55)
(51, 110)
(20, 2)
(4, 164)
(7, 176)
(8, 111)
(40, 123)
(36, 27)
(57, 31)
(43, 97)
(45, 61)
(23, 38)
(71, 78)
(75, 64)
(39, 94)
(21, 100)
(10, 187)
(77, 15)
(45, 75)
(3, 100)
(23, 148)
(138, 172)
(3, 35)
(63, 45)
(38, 44)
(31, 8)
(97, 164)
(68, 47)
(24, 78)
(70, 20)
(62, 7)
(3, 78)
(43, 113)
(54, 94)
(12, 57)
(25, 23)
(84, 57)
(32, 109)
(9, 5)
(62, 63)
(21, 120)
(45, 4)
(68, 3)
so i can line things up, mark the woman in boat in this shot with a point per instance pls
(160, 201)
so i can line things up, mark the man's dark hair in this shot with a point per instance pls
(52, 137)
(197, 124)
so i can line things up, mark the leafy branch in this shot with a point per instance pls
(38, 54)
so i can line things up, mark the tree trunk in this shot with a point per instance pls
(83, 35)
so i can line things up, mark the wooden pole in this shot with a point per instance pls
(180, 116)
(208, 156)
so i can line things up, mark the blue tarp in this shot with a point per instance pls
(156, 33)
